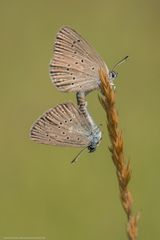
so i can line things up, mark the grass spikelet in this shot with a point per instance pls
(123, 169)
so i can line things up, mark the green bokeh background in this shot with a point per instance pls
(41, 193)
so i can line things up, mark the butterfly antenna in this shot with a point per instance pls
(120, 62)
(78, 155)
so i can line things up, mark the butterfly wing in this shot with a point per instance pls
(75, 64)
(63, 125)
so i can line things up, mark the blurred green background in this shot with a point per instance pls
(42, 194)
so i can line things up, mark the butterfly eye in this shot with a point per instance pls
(112, 75)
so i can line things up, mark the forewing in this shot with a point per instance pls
(63, 125)
(75, 64)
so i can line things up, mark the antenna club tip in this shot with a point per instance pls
(120, 62)
(127, 57)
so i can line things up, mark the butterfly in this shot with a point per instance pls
(65, 125)
(75, 64)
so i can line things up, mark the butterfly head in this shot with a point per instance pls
(112, 75)
(96, 138)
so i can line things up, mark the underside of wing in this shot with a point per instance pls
(75, 64)
(63, 125)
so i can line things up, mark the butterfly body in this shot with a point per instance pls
(95, 131)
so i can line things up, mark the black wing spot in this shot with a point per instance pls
(67, 69)
(68, 65)
(59, 127)
(65, 121)
(74, 78)
(63, 133)
(70, 120)
(74, 42)
(71, 73)
(82, 61)
(78, 138)
(67, 137)
(78, 40)
(92, 68)
(72, 83)
(60, 123)
(76, 62)
(75, 52)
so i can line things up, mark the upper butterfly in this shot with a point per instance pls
(75, 65)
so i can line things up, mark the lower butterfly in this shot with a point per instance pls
(65, 125)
